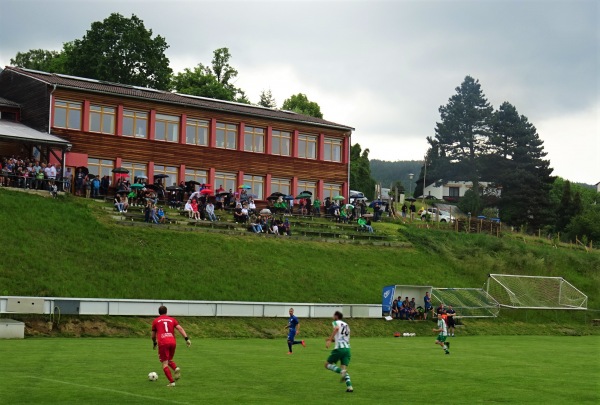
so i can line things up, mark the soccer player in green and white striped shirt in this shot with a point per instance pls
(442, 333)
(341, 350)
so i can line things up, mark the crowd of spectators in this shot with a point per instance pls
(407, 309)
(31, 174)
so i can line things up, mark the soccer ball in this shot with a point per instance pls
(152, 376)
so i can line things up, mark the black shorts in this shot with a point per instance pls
(450, 321)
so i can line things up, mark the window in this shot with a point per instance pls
(226, 135)
(281, 186)
(226, 180)
(307, 146)
(257, 183)
(254, 139)
(201, 176)
(166, 128)
(332, 150)
(331, 190)
(135, 169)
(101, 167)
(280, 143)
(102, 119)
(454, 192)
(67, 114)
(304, 185)
(172, 172)
(196, 132)
(135, 123)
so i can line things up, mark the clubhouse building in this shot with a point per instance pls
(77, 122)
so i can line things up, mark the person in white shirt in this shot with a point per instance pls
(340, 336)
(210, 211)
(188, 208)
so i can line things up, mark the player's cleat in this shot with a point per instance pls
(349, 389)
(177, 373)
(447, 352)
(303, 343)
(289, 352)
(171, 384)
(448, 345)
(343, 375)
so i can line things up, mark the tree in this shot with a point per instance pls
(461, 135)
(360, 171)
(39, 59)
(564, 211)
(213, 81)
(518, 164)
(122, 50)
(267, 99)
(300, 104)
(471, 203)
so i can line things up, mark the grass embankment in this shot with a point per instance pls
(70, 247)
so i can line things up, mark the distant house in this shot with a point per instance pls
(453, 190)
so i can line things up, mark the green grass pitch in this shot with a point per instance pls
(516, 369)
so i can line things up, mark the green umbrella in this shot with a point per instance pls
(349, 206)
(303, 195)
(137, 185)
(339, 198)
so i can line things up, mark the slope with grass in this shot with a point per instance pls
(70, 247)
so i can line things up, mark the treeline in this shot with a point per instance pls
(396, 173)
(475, 142)
(122, 50)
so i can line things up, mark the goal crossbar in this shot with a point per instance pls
(468, 302)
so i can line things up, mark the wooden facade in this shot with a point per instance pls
(148, 151)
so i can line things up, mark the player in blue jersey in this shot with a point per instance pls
(293, 328)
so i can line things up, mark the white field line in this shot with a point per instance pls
(109, 390)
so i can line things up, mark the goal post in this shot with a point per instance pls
(467, 302)
(535, 292)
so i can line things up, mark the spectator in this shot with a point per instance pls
(95, 187)
(67, 180)
(450, 313)
(147, 211)
(245, 213)
(256, 226)
(404, 210)
(104, 185)
(125, 202)
(286, 228)
(54, 190)
(395, 310)
(274, 228)
(88, 187)
(413, 209)
(251, 206)
(317, 207)
(39, 179)
(195, 211)
(210, 212)
(118, 203)
(79, 180)
(160, 213)
(188, 208)
(363, 224)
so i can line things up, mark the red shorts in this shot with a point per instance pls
(166, 351)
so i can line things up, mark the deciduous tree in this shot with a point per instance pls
(302, 105)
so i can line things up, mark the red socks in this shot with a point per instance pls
(168, 374)
(172, 365)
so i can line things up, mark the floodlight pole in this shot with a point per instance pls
(424, 176)
(410, 177)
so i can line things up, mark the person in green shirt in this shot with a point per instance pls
(363, 224)
(317, 207)
(340, 336)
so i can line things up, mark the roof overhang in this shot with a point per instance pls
(17, 132)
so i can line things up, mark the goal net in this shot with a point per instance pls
(535, 292)
(467, 302)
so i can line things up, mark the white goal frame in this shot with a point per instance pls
(561, 305)
(488, 307)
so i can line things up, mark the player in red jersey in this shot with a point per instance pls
(163, 336)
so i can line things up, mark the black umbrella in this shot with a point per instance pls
(152, 187)
(193, 182)
(277, 194)
(160, 176)
(120, 170)
(91, 176)
(223, 193)
(83, 169)
(306, 192)
(272, 197)
(174, 188)
(375, 202)
(411, 199)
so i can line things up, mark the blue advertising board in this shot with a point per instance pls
(387, 298)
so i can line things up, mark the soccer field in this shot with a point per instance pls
(526, 369)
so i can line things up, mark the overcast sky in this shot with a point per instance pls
(383, 67)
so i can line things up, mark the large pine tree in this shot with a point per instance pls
(518, 161)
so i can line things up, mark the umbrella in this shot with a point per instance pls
(120, 170)
(137, 185)
(83, 169)
(411, 199)
(277, 194)
(357, 195)
(193, 182)
(160, 176)
(252, 195)
(265, 211)
(142, 177)
(244, 187)
(349, 206)
(91, 176)
(206, 185)
(302, 195)
(375, 202)
(206, 192)
(288, 197)
(174, 188)
(273, 197)
(124, 191)
(339, 198)
(306, 192)
(152, 187)
(223, 193)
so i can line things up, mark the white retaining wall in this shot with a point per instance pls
(122, 307)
